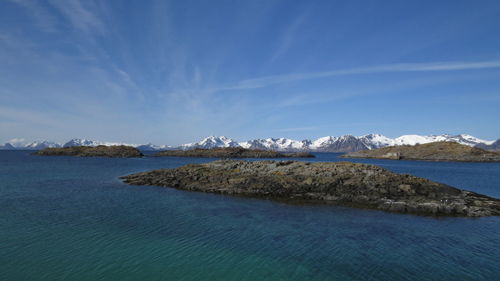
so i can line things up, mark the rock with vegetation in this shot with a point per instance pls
(117, 151)
(232, 152)
(341, 183)
(436, 151)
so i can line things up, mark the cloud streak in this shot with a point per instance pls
(266, 81)
(41, 16)
(180, 71)
(298, 129)
(80, 17)
(288, 38)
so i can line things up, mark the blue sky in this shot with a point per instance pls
(171, 72)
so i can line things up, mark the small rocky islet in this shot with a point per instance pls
(340, 183)
(115, 151)
(436, 151)
(232, 152)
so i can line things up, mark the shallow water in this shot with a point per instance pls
(65, 218)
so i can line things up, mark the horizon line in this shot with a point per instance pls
(24, 142)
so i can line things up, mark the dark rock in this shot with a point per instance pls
(118, 151)
(343, 183)
(232, 152)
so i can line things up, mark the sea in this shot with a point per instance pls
(70, 218)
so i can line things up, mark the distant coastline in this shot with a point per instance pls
(232, 152)
(118, 151)
(437, 151)
(340, 144)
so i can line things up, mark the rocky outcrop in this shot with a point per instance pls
(118, 151)
(232, 152)
(343, 183)
(436, 151)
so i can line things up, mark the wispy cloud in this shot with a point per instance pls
(310, 98)
(41, 16)
(79, 16)
(288, 37)
(177, 72)
(15, 141)
(406, 67)
(439, 66)
(298, 129)
(365, 89)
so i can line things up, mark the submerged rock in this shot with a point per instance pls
(343, 183)
(436, 151)
(232, 152)
(116, 151)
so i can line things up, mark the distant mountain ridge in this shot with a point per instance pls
(495, 146)
(350, 143)
(345, 143)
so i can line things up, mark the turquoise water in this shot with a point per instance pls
(64, 218)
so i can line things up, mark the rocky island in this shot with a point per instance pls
(436, 151)
(232, 152)
(341, 183)
(116, 151)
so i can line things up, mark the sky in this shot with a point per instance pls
(171, 72)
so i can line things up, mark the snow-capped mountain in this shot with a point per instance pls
(86, 142)
(324, 144)
(153, 147)
(373, 141)
(468, 140)
(211, 142)
(41, 145)
(280, 144)
(81, 142)
(16, 143)
(346, 143)
(462, 139)
(7, 146)
(495, 146)
(36, 145)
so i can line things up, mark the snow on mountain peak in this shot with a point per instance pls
(279, 144)
(468, 139)
(86, 142)
(81, 142)
(211, 142)
(415, 139)
(345, 143)
(17, 142)
(323, 141)
(373, 141)
(41, 145)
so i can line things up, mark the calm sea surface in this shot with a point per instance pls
(64, 218)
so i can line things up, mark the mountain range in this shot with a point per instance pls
(495, 146)
(345, 143)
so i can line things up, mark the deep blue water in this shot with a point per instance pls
(64, 218)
